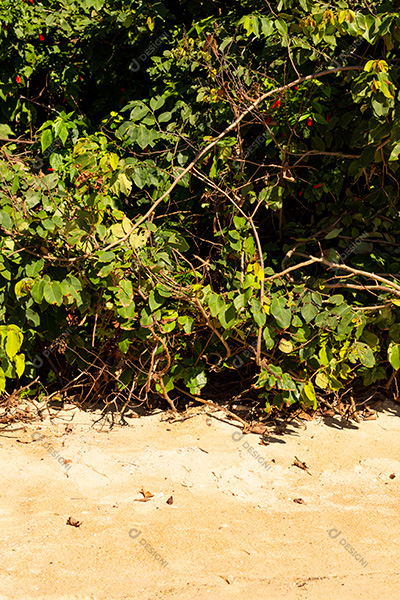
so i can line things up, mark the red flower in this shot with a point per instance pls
(268, 119)
(18, 79)
(50, 169)
(81, 78)
(318, 185)
(31, 1)
(41, 37)
(309, 122)
(296, 87)
(328, 117)
(300, 193)
(277, 104)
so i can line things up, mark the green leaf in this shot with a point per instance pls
(281, 314)
(53, 293)
(333, 234)
(285, 346)
(259, 315)
(46, 139)
(165, 117)
(322, 380)
(308, 395)
(19, 361)
(365, 355)
(227, 316)
(155, 300)
(309, 312)
(13, 343)
(269, 342)
(216, 304)
(336, 299)
(37, 291)
(267, 27)
(2, 380)
(23, 287)
(281, 26)
(394, 155)
(240, 301)
(394, 355)
(156, 103)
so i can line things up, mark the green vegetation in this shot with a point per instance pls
(182, 180)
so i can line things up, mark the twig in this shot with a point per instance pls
(217, 406)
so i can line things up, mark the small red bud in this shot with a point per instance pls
(18, 79)
(41, 38)
(309, 122)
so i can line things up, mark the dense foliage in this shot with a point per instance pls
(195, 189)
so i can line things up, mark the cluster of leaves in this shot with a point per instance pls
(158, 301)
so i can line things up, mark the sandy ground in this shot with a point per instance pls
(221, 523)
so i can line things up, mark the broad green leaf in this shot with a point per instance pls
(155, 300)
(2, 380)
(365, 354)
(259, 315)
(46, 139)
(285, 346)
(333, 234)
(23, 287)
(281, 314)
(308, 395)
(13, 343)
(19, 361)
(394, 355)
(308, 312)
(53, 293)
(322, 380)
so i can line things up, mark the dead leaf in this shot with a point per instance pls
(299, 500)
(146, 494)
(170, 500)
(392, 476)
(74, 522)
(258, 428)
(301, 465)
(304, 416)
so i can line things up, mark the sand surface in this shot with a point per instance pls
(222, 521)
